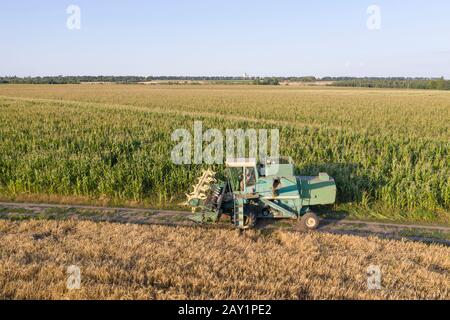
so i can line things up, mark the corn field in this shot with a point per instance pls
(386, 148)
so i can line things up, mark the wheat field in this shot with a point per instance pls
(119, 261)
(387, 149)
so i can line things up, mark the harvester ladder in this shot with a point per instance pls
(239, 212)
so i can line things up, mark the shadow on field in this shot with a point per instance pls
(271, 227)
(328, 219)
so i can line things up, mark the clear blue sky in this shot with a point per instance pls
(228, 37)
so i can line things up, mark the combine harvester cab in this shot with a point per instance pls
(265, 190)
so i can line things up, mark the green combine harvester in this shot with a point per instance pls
(265, 190)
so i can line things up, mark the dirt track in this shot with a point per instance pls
(24, 211)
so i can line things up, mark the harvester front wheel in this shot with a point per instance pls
(250, 220)
(310, 220)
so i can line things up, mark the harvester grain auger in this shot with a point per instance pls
(264, 190)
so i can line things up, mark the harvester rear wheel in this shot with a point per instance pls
(310, 220)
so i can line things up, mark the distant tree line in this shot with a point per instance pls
(412, 83)
(135, 79)
(369, 82)
(72, 79)
(266, 81)
(376, 78)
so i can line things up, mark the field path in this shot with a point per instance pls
(27, 210)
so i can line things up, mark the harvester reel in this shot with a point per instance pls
(202, 187)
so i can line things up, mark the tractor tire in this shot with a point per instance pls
(310, 220)
(250, 220)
